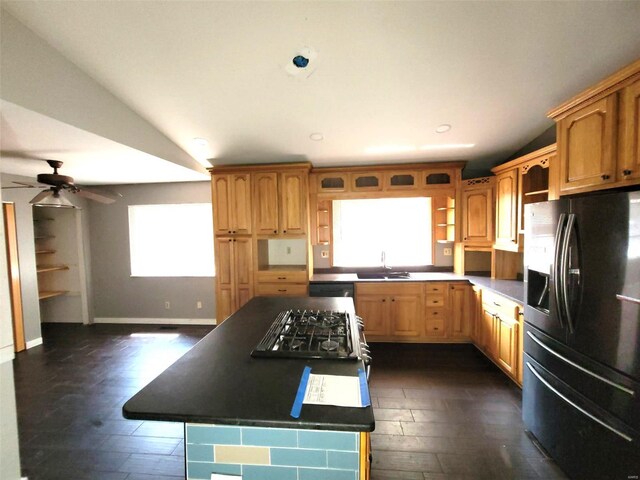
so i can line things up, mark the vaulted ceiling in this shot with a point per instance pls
(382, 76)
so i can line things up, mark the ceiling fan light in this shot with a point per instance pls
(53, 199)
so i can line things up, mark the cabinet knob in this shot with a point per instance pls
(229, 231)
(464, 238)
(229, 240)
(275, 231)
(605, 177)
(393, 299)
(627, 172)
(283, 290)
(384, 299)
(284, 231)
(435, 328)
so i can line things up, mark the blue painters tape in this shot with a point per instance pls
(364, 388)
(302, 388)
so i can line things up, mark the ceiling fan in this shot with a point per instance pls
(51, 197)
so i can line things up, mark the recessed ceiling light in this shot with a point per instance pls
(316, 137)
(200, 142)
(445, 127)
(447, 146)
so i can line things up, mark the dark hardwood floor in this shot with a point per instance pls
(442, 412)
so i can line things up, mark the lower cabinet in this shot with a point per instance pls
(234, 275)
(390, 310)
(500, 333)
(281, 283)
(416, 312)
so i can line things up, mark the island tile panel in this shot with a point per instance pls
(271, 453)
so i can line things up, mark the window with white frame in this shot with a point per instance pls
(171, 240)
(399, 227)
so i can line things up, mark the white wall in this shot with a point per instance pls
(9, 449)
(37, 77)
(120, 297)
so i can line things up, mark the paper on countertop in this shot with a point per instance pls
(337, 390)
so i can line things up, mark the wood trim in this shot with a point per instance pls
(480, 182)
(260, 167)
(392, 166)
(13, 264)
(616, 81)
(538, 154)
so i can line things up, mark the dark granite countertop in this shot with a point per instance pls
(219, 382)
(512, 289)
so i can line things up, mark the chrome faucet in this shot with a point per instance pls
(383, 259)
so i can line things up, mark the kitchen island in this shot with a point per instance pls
(237, 409)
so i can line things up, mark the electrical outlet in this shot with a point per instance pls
(324, 253)
(167, 305)
(288, 250)
(446, 252)
(198, 304)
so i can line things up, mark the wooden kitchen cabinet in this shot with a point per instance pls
(520, 181)
(500, 333)
(373, 310)
(266, 203)
(280, 202)
(231, 195)
(629, 168)
(507, 344)
(507, 210)
(461, 310)
(587, 142)
(477, 211)
(390, 309)
(598, 132)
(234, 275)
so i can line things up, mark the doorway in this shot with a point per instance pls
(13, 267)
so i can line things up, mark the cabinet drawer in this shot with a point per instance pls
(435, 327)
(271, 289)
(501, 306)
(435, 313)
(388, 288)
(435, 287)
(435, 300)
(282, 276)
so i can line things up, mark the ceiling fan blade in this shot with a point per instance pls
(20, 185)
(94, 195)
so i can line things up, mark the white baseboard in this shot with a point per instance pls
(7, 354)
(34, 343)
(157, 321)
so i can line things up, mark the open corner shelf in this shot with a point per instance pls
(50, 268)
(50, 293)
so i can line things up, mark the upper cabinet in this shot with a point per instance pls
(598, 135)
(231, 195)
(406, 180)
(587, 140)
(507, 209)
(630, 144)
(518, 182)
(477, 211)
(280, 202)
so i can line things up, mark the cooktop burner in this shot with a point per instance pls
(311, 334)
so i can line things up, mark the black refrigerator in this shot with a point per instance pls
(581, 384)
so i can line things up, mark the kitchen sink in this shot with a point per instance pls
(383, 276)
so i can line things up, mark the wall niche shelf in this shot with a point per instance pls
(50, 293)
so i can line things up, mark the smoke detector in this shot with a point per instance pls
(302, 63)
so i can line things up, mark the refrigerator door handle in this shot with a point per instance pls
(556, 268)
(564, 271)
(580, 367)
(577, 407)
